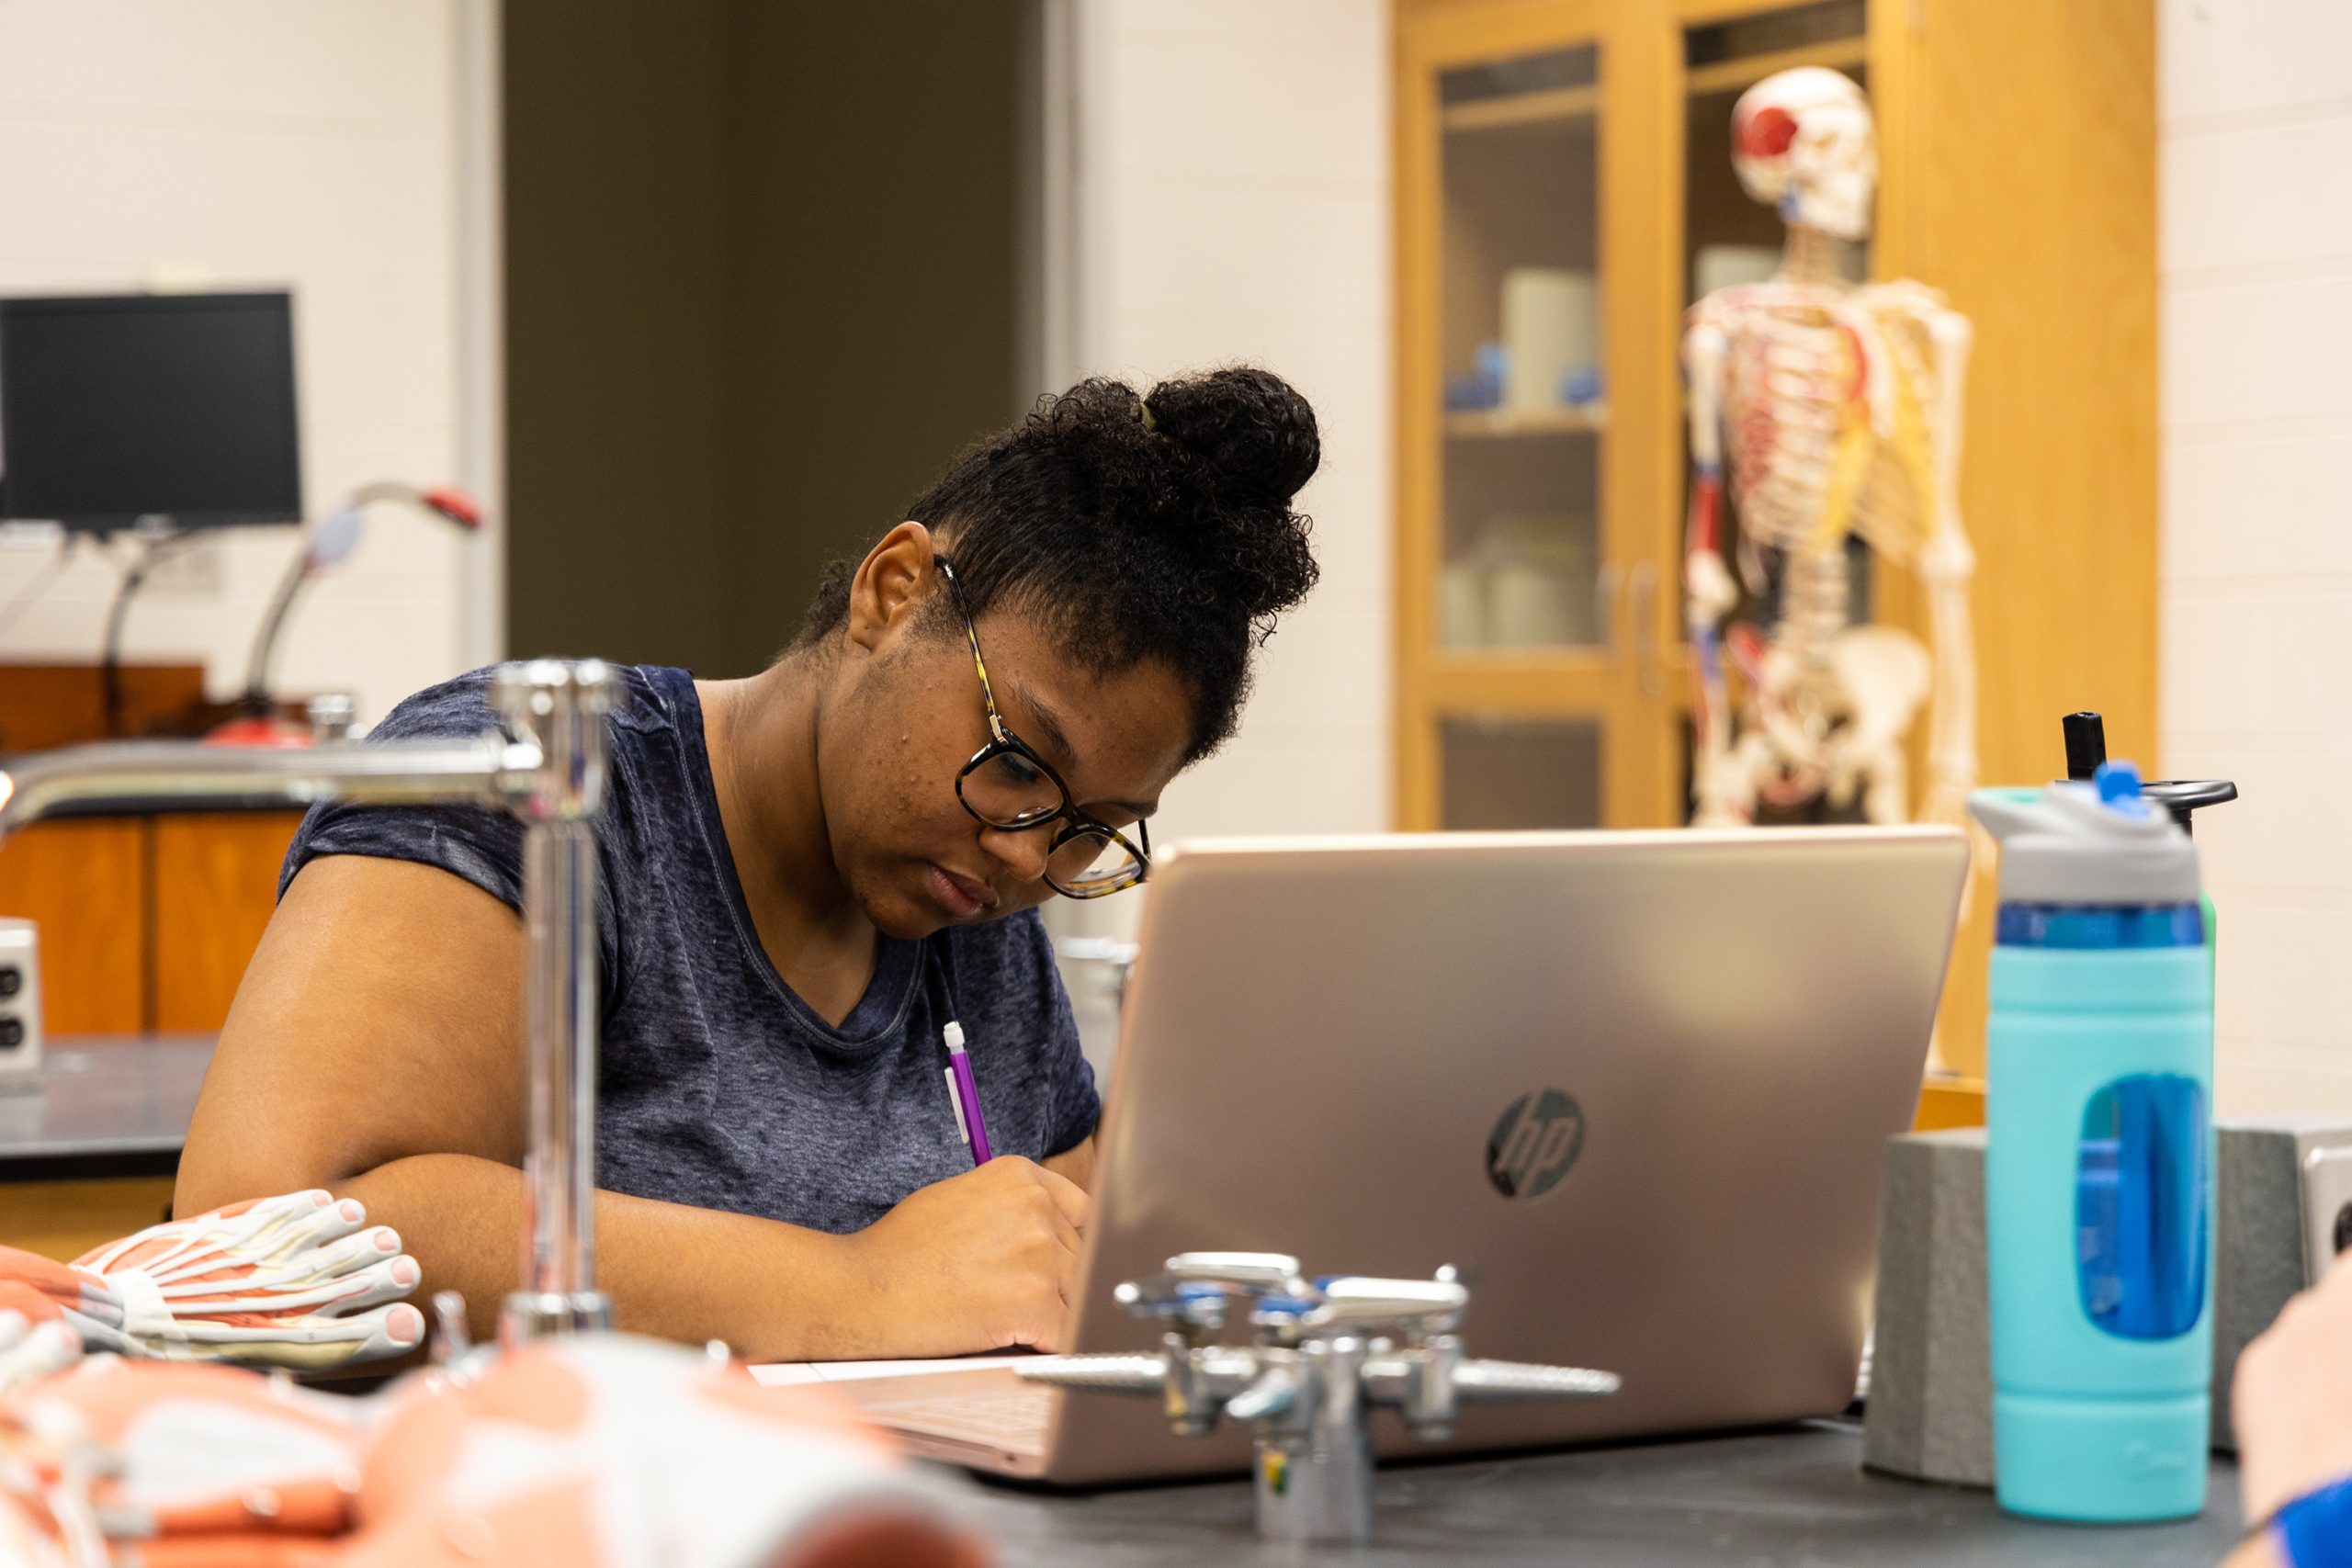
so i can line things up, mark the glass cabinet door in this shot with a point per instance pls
(1505, 774)
(1517, 592)
(1519, 325)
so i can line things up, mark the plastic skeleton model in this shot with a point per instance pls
(600, 1451)
(1325, 1355)
(1841, 404)
(300, 1281)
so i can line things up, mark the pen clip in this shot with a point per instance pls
(956, 1099)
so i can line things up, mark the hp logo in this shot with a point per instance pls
(1535, 1143)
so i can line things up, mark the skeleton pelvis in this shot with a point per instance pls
(1843, 715)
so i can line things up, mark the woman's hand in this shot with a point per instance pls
(981, 1260)
(2293, 1399)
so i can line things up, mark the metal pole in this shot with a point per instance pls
(564, 709)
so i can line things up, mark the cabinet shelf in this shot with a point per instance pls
(1848, 55)
(1488, 425)
(1523, 109)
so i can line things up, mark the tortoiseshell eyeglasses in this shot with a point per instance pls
(1007, 785)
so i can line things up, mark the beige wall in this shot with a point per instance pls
(1231, 201)
(260, 143)
(2256, 104)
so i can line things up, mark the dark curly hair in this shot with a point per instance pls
(1133, 528)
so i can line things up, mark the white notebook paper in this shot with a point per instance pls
(775, 1372)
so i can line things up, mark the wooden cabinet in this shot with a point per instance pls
(1572, 155)
(84, 886)
(1528, 694)
(215, 886)
(146, 922)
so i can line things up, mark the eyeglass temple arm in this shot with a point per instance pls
(972, 637)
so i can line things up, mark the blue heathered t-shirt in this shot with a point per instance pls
(720, 1087)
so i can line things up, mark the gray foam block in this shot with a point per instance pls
(1929, 1412)
(2258, 1239)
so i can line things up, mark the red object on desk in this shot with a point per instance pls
(253, 729)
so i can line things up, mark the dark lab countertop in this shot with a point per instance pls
(104, 1105)
(1794, 1497)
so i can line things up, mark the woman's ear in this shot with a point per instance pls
(890, 585)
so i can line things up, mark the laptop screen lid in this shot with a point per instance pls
(1634, 1086)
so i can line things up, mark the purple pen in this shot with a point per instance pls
(964, 1094)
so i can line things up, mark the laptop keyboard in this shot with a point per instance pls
(1013, 1419)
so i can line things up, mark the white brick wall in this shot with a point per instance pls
(262, 143)
(1232, 200)
(2255, 105)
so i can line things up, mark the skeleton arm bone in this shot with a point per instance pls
(1707, 582)
(1946, 565)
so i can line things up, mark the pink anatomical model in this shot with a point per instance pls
(597, 1451)
(300, 1280)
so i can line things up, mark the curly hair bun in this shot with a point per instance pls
(1135, 525)
(1254, 436)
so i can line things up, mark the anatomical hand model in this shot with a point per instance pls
(301, 1281)
(1841, 407)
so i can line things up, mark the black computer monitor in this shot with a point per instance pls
(178, 407)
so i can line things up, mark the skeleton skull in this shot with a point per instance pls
(1803, 141)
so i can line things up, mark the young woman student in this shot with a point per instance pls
(807, 873)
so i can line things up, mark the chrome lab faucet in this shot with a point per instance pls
(548, 769)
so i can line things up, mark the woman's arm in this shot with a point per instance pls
(375, 1049)
(1074, 1165)
(2255, 1551)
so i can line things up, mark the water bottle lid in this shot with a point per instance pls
(2101, 843)
(2118, 785)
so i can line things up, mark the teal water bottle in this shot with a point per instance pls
(2098, 1156)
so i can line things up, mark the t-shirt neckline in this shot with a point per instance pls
(875, 1021)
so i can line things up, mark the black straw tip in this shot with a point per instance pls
(2085, 745)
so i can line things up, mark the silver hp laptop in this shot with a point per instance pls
(1635, 1086)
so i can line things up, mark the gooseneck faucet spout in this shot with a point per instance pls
(548, 769)
(133, 774)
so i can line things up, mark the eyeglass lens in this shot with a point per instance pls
(1007, 790)
(1090, 861)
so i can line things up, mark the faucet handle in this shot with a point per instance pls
(331, 714)
(1108, 1373)
(1198, 1290)
(1418, 1307)
(1272, 1272)
(1485, 1380)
